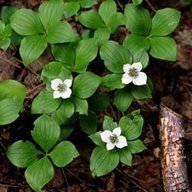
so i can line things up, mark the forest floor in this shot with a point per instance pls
(172, 86)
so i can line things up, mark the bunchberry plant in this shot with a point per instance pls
(12, 95)
(5, 34)
(116, 143)
(91, 74)
(41, 28)
(39, 161)
(151, 34)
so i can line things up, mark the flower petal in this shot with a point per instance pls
(141, 79)
(126, 79)
(56, 94)
(117, 131)
(110, 146)
(66, 94)
(68, 82)
(105, 136)
(126, 68)
(55, 83)
(137, 66)
(122, 142)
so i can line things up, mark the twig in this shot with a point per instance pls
(65, 177)
(132, 178)
(174, 170)
(151, 6)
(82, 181)
(10, 62)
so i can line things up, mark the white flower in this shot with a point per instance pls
(113, 139)
(61, 88)
(133, 74)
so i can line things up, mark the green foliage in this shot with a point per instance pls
(91, 69)
(41, 28)
(107, 17)
(39, 169)
(21, 153)
(86, 84)
(88, 123)
(137, 2)
(152, 34)
(103, 161)
(115, 56)
(76, 58)
(39, 173)
(5, 34)
(12, 94)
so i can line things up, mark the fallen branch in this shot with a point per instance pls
(174, 170)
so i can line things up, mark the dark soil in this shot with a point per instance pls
(172, 86)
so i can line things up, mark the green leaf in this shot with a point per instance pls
(125, 122)
(13, 90)
(21, 153)
(86, 51)
(60, 32)
(102, 161)
(136, 43)
(31, 48)
(138, 19)
(6, 12)
(4, 43)
(96, 138)
(39, 173)
(63, 153)
(101, 35)
(51, 12)
(7, 32)
(46, 132)
(106, 10)
(26, 22)
(115, 21)
(137, 2)
(45, 103)
(64, 53)
(65, 111)
(141, 56)
(136, 146)
(126, 156)
(85, 84)
(114, 56)
(91, 19)
(163, 48)
(113, 81)
(99, 102)
(2, 26)
(8, 111)
(87, 3)
(71, 8)
(54, 70)
(141, 92)
(131, 128)
(88, 123)
(165, 21)
(108, 124)
(81, 106)
(122, 100)
(66, 131)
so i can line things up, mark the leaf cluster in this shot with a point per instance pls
(39, 159)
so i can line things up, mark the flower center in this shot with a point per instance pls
(113, 138)
(61, 87)
(133, 72)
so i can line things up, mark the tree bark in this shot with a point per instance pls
(174, 170)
